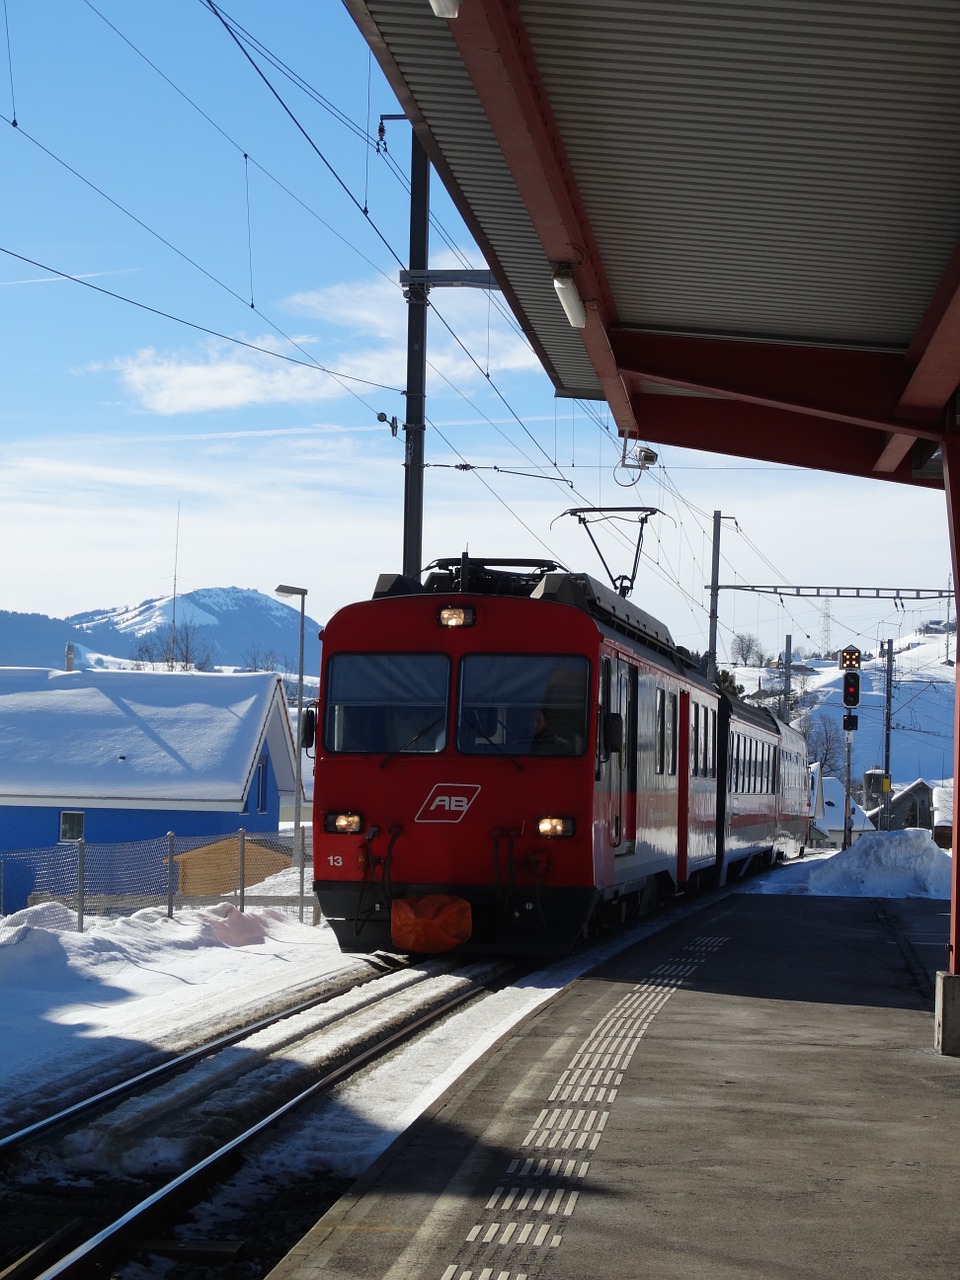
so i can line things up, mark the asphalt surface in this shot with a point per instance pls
(752, 1093)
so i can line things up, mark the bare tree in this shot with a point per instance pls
(745, 651)
(179, 649)
(259, 659)
(825, 743)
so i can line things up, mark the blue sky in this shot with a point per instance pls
(152, 161)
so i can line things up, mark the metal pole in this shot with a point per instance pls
(714, 596)
(787, 664)
(950, 451)
(284, 589)
(241, 852)
(847, 816)
(171, 872)
(298, 795)
(885, 810)
(415, 423)
(299, 842)
(81, 885)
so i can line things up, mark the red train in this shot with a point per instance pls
(511, 756)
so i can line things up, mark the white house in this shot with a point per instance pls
(826, 813)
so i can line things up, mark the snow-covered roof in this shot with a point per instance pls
(832, 820)
(943, 805)
(136, 739)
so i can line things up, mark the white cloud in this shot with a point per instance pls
(375, 309)
(172, 384)
(361, 340)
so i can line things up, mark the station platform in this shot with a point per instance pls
(751, 1094)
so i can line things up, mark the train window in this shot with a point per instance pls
(672, 732)
(603, 750)
(712, 742)
(661, 730)
(387, 702)
(695, 739)
(523, 704)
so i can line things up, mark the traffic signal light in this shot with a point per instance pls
(851, 688)
(850, 658)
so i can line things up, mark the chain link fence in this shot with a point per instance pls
(172, 873)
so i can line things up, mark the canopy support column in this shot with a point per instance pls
(947, 1021)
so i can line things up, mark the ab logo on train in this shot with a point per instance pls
(447, 802)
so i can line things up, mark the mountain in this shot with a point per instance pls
(230, 626)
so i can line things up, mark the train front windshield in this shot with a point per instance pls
(514, 704)
(387, 702)
(523, 704)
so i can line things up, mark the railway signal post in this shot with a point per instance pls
(850, 666)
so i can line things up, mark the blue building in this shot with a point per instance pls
(118, 756)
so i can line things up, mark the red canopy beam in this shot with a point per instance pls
(933, 357)
(841, 384)
(499, 58)
(749, 430)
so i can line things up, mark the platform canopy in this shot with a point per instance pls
(757, 203)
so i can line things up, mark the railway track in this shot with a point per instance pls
(322, 992)
(84, 1194)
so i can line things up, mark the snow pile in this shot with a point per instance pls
(880, 864)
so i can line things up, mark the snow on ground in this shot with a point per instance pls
(78, 1002)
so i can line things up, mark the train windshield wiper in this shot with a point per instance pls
(412, 741)
(481, 733)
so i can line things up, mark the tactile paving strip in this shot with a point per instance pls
(524, 1217)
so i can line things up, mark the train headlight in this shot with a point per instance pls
(554, 827)
(457, 616)
(343, 824)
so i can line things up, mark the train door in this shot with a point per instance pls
(626, 701)
(617, 753)
(683, 786)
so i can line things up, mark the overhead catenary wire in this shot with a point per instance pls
(239, 35)
(340, 378)
(13, 95)
(300, 128)
(247, 159)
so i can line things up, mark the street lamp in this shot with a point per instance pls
(284, 590)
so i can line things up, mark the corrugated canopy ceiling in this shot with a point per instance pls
(759, 204)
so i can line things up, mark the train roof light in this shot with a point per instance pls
(457, 616)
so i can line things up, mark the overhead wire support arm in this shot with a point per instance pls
(462, 277)
(843, 593)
